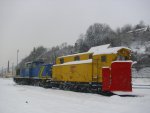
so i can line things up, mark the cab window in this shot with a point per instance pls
(90, 56)
(103, 58)
(61, 60)
(120, 57)
(76, 58)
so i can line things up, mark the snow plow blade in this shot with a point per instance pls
(118, 77)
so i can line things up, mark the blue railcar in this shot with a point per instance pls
(36, 69)
(35, 73)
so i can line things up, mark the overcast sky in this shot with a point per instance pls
(25, 24)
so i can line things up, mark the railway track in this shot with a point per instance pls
(140, 86)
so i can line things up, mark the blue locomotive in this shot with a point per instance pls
(34, 73)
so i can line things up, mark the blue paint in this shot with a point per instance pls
(47, 70)
(33, 69)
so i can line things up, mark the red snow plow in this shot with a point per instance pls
(118, 77)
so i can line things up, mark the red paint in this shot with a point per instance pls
(106, 79)
(121, 76)
(118, 78)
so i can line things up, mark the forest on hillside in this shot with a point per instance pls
(136, 37)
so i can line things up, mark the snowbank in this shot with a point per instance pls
(29, 99)
(144, 72)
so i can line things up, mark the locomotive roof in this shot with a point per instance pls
(102, 49)
(75, 62)
(98, 48)
(106, 49)
(110, 50)
(34, 62)
(76, 54)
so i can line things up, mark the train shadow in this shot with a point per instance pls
(129, 95)
(109, 94)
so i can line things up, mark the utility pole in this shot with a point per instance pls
(8, 67)
(17, 57)
(34, 53)
(12, 68)
(2, 71)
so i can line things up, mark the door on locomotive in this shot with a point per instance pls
(100, 61)
(96, 70)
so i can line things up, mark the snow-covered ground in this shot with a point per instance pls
(29, 99)
(144, 72)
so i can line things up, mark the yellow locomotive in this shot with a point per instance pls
(87, 67)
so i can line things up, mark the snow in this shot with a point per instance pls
(112, 50)
(123, 61)
(139, 30)
(105, 49)
(102, 49)
(144, 72)
(75, 62)
(106, 67)
(98, 48)
(30, 99)
(91, 50)
(139, 47)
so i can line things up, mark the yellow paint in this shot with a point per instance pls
(84, 56)
(73, 73)
(40, 73)
(98, 65)
(85, 72)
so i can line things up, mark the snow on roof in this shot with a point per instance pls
(110, 50)
(124, 61)
(102, 49)
(75, 62)
(105, 49)
(75, 54)
(98, 48)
